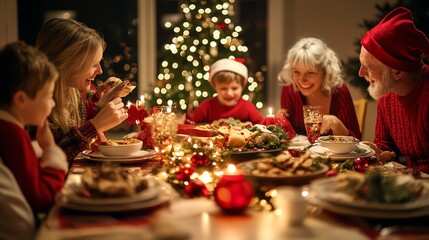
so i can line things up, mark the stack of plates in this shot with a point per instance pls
(361, 151)
(156, 194)
(322, 192)
(134, 157)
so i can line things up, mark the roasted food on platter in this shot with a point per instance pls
(284, 165)
(111, 181)
(283, 169)
(375, 186)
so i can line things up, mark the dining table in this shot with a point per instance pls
(200, 218)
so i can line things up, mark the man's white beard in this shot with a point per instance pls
(383, 86)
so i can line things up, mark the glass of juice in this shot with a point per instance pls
(313, 117)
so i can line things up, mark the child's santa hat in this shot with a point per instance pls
(228, 65)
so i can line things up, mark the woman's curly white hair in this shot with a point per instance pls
(313, 53)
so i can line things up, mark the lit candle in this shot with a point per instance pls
(233, 192)
(270, 113)
(270, 119)
(142, 102)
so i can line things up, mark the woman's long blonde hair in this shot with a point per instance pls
(313, 53)
(71, 46)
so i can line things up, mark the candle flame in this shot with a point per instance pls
(142, 98)
(270, 111)
(231, 168)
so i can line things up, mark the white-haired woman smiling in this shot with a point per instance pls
(312, 75)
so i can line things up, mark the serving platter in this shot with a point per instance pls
(367, 213)
(73, 195)
(325, 190)
(154, 198)
(275, 181)
(241, 156)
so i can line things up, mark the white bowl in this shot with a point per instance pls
(338, 144)
(120, 147)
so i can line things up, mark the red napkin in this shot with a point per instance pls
(282, 121)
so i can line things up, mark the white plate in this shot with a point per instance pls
(165, 194)
(369, 213)
(360, 151)
(97, 156)
(324, 190)
(150, 193)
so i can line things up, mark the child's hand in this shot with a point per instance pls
(189, 116)
(44, 135)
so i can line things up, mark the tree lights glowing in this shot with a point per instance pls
(205, 34)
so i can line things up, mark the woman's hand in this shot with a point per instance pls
(44, 135)
(111, 115)
(331, 122)
(382, 156)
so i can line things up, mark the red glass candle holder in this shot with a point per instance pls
(233, 193)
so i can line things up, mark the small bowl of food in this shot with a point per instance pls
(120, 147)
(338, 144)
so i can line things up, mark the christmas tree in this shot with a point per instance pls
(205, 34)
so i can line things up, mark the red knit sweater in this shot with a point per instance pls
(39, 185)
(341, 106)
(402, 124)
(210, 110)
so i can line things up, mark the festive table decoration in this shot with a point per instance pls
(136, 115)
(193, 168)
(233, 192)
(282, 121)
(360, 165)
(196, 189)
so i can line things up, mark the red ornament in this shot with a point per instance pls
(233, 193)
(200, 159)
(185, 173)
(295, 152)
(360, 165)
(221, 26)
(331, 173)
(196, 188)
(146, 137)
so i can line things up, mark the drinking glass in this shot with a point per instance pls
(164, 130)
(313, 117)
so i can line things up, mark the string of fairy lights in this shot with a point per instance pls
(205, 34)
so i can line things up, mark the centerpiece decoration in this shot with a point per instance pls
(281, 121)
(137, 114)
(194, 167)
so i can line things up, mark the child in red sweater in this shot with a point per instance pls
(26, 98)
(228, 77)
